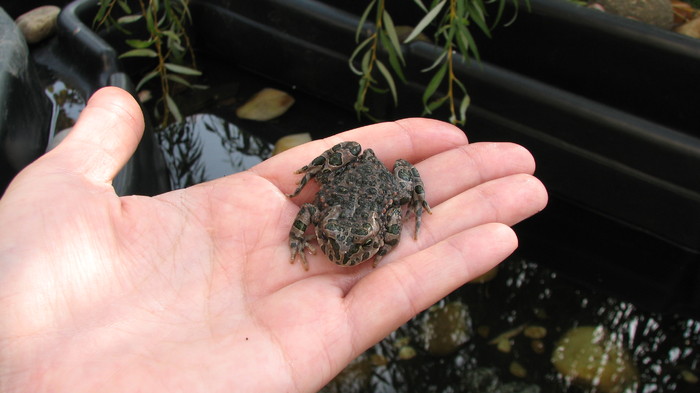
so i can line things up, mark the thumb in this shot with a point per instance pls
(102, 140)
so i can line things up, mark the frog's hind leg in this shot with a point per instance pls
(392, 234)
(413, 191)
(298, 242)
(336, 157)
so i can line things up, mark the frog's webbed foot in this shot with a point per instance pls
(330, 160)
(298, 242)
(392, 234)
(413, 190)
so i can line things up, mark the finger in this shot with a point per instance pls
(451, 172)
(411, 139)
(506, 200)
(388, 297)
(104, 137)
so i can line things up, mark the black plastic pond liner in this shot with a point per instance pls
(26, 112)
(624, 212)
(626, 64)
(85, 61)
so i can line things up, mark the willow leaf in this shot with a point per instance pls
(434, 83)
(420, 4)
(389, 80)
(363, 19)
(182, 69)
(178, 79)
(394, 60)
(356, 52)
(145, 79)
(124, 5)
(429, 17)
(172, 107)
(463, 106)
(139, 44)
(436, 62)
(477, 15)
(393, 37)
(129, 19)
(430, 107)
(139, 53)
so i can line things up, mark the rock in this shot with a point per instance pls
(517, 369)
(289, 141)
(39, 23)
(406, 352)
(691, 28)
(265, 105)
(655, 12)
(587, 355)
(446, 328)
(535, 332)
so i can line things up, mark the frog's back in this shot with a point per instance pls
(364, 186)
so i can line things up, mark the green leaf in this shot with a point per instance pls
(178, 79)
(460, 85)
(436, 62)
(145, 79)
(420, 4)
(149, 21)
(363, 19)
(172, 107)
(466, 100)
(356, 52)
(139, 53)
(434, 83)
(389, 80)
(393, 37)
(129, 19)
(123, 5)
(171, 35)
(139, 44)
(104, 5)
(394, 61)
(182, 69)
(477, 15)
(433, 105)
(365, 64)
(429, 17)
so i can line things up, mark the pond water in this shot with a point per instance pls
(495, 336)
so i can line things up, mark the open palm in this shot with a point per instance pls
(193, 291)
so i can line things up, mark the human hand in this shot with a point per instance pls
(193, 291)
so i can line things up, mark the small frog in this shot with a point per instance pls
(357, 212)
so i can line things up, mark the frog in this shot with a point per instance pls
(357, 213)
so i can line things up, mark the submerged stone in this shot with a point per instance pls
(588, 356)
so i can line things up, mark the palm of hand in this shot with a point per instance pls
(193, 290)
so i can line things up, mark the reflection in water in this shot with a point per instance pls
(205, 147)
(67, 105)
(519, 317)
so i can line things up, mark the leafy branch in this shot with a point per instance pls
(385, 34)
(167, 43)
(452, 18)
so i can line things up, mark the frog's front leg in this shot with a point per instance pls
(298, 242)
(330, 160)
(392, 234)
(413, 191)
